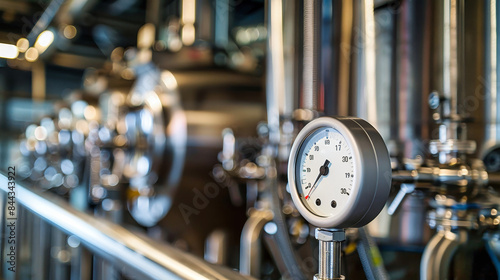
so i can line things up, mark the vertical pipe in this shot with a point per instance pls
(280, 96)
(38, 81)
(385, 66)
(493, 68)
(491, 75)
(330, 260)
(337, 257)
(344, 61)
(58, 266)
(311, 52)
(275, 80)
(450, 70)
(365, 84)
(26, 234)
(41, 250)
(290, 56)
(411, 66)
(328, 95)
(369, 31)
(325, 259)
(450, 56)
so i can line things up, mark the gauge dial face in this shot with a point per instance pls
(325, 172)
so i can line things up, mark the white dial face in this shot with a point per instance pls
(325, 172)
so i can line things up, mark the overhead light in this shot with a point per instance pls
(44, 40)
(23, 44)
(146, 36)
(188, 34)
(188, 11)
(31, 54)
(188, 19)
(69, 31)
(8, 51)
(168, 78)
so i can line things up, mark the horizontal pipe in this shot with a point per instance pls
(438, 176)
(144, 258)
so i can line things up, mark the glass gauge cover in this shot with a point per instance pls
(339, 172)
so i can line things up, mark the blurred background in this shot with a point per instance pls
(150, 138)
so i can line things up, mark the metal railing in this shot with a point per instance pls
(132, 256)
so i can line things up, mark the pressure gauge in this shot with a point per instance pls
(339, 172)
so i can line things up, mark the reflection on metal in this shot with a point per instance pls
(105, 137)
(161, 123)
(438, 254)
(492, 117)
(330, 253)
(463, 207)
(275, 80)
(407, 119)
(188, 17)
(126, 251)
(312, 57)
(366, 85)
(493, 248)
(450, 56)
(216, 249)
(250, 250)
(290, 56)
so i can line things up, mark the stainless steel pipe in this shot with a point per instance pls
(143, 258)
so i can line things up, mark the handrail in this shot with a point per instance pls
(145, 258)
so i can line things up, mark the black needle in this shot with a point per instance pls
(323, 171)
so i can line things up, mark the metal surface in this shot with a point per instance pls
(438, 254)
(450, 56)
(144, 258)
(464, 178)
(250, 244)
(165, 132)
(312, 55)
(280, 94)
(329, 260)
(330, 253)
(410, 53)
(364, 83)
(277, 98)
(376, 59)
(490, 85)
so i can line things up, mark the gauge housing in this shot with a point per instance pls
(371, 185)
